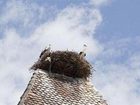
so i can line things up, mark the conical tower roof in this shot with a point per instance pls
(61, 88)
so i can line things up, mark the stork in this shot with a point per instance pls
(44, 56)
(82, 53)
(45, 51)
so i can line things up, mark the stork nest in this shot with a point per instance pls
(66, 63)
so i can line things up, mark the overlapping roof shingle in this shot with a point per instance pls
(55, 89)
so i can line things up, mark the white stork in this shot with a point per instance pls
(44, 56)
(46, 50)
(82, 53)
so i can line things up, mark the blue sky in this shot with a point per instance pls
(110, 28)
(121, 19)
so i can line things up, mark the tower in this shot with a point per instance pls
(63, 80)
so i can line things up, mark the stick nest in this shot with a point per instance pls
(66, 63)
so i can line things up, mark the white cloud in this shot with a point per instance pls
(13, 11)
(73, 26)
(13, 64)
(119, 80)
(99, 3)
(23, 14)
(119, 84)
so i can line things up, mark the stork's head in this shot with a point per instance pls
(84, 47)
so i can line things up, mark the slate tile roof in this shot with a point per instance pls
(56, 89)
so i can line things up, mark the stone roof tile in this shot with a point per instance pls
(55, 89)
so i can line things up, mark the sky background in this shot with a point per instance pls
(110, 28)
